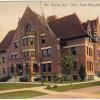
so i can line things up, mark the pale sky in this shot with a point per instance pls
(11, 11)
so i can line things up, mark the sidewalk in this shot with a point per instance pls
(57, 95)
(42, 88)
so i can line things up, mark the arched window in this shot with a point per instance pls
(28, 28)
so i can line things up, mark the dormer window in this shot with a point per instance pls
(28, 28)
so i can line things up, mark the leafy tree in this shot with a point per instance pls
(82, 72)
(67, 62)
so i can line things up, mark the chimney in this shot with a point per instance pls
(51, 18)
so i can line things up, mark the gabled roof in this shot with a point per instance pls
(6, 41)
(67, 27)
(28, 15)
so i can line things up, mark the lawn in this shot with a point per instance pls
(20, 94)
(9, 86)
(74, 86)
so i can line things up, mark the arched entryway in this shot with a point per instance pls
(19, 69)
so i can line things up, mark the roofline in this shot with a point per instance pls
(74, 37)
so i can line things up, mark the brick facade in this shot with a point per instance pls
(37, 47)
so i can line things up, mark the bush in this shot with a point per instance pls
(48, 87)
(24, 79)
(55, 86)
(4, 79)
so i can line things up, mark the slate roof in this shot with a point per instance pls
(6, 41)
(67, 27)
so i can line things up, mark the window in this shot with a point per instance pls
(35, 68)
(49, 67)
(3, 60)
(28, 28)
(44, 53)
(43, 39)
(16, 55)
(49, 52)
(3, 70)
(27, 53)
(16, 45)
(12, 56)
(43, 67)
(73, 49)
(24, 42)
(27, 41)
(90, 52)
(32, 40)
(87, 50)
(89, 66)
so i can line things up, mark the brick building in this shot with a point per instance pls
(37, 45)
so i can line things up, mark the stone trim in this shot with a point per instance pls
(46, 47)
(28, 50)
(45, 62)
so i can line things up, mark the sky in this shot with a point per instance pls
(10, 11)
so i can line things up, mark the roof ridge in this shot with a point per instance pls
(62, 17)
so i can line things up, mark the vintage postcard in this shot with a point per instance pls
(50, 49)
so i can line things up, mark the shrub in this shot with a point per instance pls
(48, 87)
(55, 86)
(24, 79)
(4, 79)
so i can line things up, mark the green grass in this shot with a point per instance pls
(20, 94)
(75, 86)
(9, 86)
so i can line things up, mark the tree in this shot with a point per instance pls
(67, 63)
(82, 72)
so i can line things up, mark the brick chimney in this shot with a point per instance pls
(51, 18)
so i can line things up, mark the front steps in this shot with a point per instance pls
(14, 79)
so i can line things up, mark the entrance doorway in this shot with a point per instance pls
(19, 69)
(12, 69)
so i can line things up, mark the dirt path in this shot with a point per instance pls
(85, 93)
